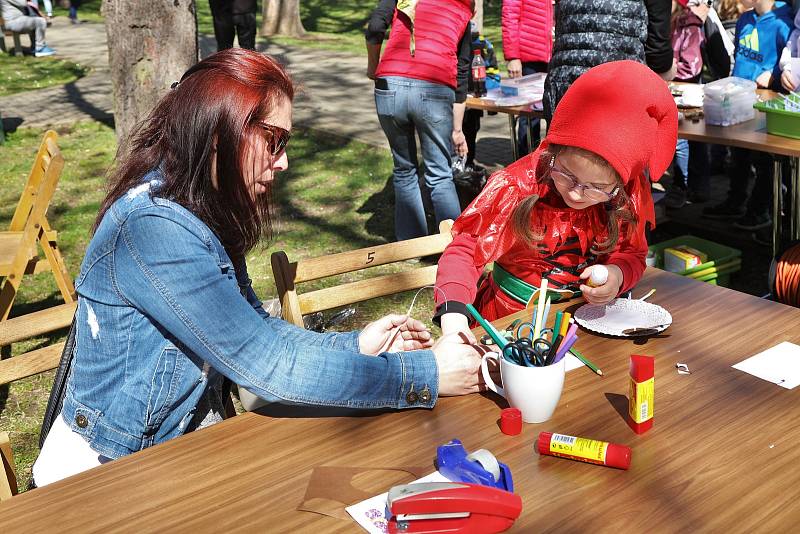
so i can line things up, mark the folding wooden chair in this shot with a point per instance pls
(8, 478)
(289, 274)
(18, 246)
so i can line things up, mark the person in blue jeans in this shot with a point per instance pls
(420, 89)
(167, 315)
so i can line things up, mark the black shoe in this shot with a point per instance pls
(763, 237)
(675, 198)
(726, 210)
(754, 221)
(698, 197)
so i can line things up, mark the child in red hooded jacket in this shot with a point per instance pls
(582, 199)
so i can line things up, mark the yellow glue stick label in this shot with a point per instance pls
(589, 449)
(641, 397)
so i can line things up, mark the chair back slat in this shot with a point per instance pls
(379, 286)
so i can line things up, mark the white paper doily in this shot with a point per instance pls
(620, 314)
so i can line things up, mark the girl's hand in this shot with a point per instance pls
(453, 323)
(605, 293)
(764, 80)
(787, 80)
(394, 333)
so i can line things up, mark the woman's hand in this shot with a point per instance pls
(787, 80)
(394, 333)
(514, 68)
(459, 364)
(605, 293)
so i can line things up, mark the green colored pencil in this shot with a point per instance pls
(585, 361)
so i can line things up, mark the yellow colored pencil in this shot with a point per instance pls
(537, 328)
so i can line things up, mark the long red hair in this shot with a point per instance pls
(220, 99)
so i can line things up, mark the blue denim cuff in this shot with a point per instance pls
(419, 387)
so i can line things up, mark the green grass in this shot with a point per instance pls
(27, 73)
(335, 196)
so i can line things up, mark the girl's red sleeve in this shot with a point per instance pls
(630, 257)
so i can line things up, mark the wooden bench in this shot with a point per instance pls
(13, 35)
(28, 364)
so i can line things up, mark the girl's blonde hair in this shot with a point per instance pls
(617, 209)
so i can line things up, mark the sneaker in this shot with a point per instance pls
(763, 237)
(675, 198)
(753, 221)
(44, 51)
(725, 210)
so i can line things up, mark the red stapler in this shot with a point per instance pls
(452, 507)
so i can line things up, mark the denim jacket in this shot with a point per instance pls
(162, 317)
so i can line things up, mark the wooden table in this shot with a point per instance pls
(723, 454)
(513, 112)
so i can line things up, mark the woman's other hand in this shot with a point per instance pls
(394, 333)
(606, 292)
(514, 68)
(460, 143)
(459, 364)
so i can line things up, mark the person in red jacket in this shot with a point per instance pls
(580, 200)
(527, 45)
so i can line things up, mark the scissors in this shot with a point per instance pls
(526, 352)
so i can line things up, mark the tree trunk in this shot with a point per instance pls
(282, 17)
(478, 17)
(151, 43)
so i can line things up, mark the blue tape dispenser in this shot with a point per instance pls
(479, 467)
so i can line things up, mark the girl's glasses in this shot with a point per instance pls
(278, 139)
(569, 182)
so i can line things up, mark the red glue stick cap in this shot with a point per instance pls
(511, 421)
(618, 456)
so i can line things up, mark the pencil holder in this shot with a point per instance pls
(535, 391)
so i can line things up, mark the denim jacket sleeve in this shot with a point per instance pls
(183, 289)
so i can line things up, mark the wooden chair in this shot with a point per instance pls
(29, 226)
(8, 479)
(14, 35)
(289, 274)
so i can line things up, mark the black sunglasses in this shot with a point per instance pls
(279, 137)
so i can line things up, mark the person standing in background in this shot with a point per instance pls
(527, 46)
(592, 32)
(234, 18)
(73, 11)
(420, 88)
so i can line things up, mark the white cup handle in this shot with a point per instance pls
(487, 377)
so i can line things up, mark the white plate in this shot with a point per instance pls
(620, 314)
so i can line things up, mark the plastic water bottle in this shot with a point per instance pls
(478, 74)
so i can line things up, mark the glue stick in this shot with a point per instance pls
(584, 450)
(641, 393)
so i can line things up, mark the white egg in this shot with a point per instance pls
(599, 276)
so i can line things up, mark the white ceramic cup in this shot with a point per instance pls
(533, 390)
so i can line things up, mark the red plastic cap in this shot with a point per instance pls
(618, 456)
(511, 421)
(642, 367)
(543, 442)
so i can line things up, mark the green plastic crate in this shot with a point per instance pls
(722, 260)
(779, 121)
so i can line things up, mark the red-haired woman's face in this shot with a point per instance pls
(260, 163)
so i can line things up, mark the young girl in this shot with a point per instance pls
(582, 199)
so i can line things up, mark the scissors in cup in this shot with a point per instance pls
(527, 352)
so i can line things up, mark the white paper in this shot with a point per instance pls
(779, 365)
(372, 514)
(571, 362)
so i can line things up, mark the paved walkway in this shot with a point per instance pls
(335, 96)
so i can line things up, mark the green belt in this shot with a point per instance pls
(521, 291)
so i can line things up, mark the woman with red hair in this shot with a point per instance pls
(166, 312)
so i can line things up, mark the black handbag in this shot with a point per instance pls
(59, 389)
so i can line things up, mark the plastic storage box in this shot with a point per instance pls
(721, 263)
(779, 120)
(532, 84)
(729, 101)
